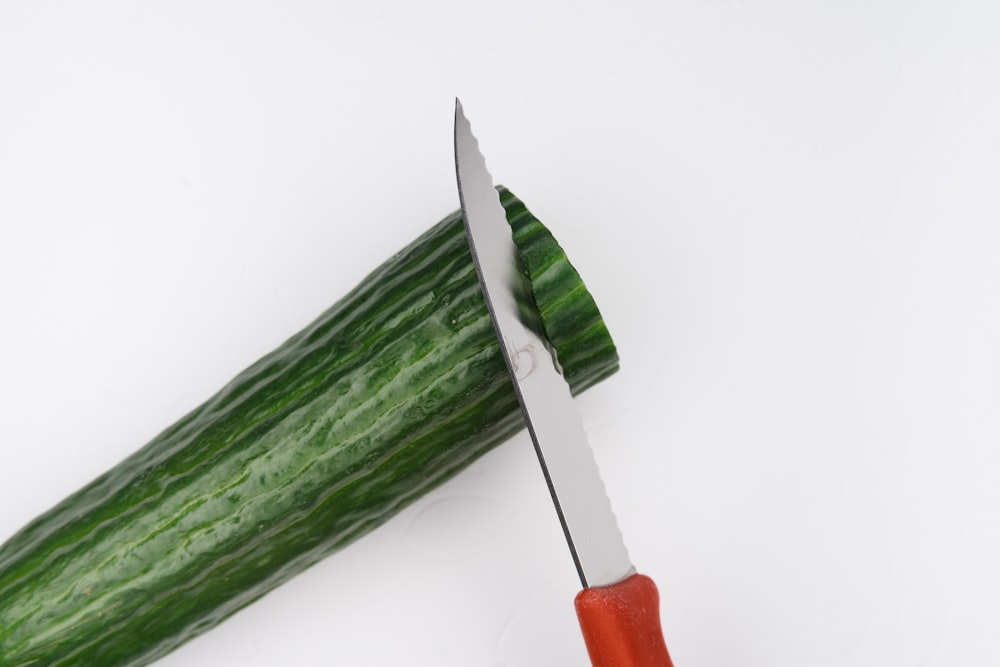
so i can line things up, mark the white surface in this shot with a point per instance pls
(788, 212)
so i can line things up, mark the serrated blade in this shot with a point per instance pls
(554, 424)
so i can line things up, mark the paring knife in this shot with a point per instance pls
(618, 609)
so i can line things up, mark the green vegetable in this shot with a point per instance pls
(390, 392)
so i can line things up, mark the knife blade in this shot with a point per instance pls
(618, 609)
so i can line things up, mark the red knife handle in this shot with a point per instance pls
(621, 624)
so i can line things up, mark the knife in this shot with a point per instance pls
(618, 609)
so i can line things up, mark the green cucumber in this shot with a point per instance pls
(393, 390)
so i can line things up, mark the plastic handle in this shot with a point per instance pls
(621, 624)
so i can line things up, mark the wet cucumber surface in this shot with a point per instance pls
(390, 392)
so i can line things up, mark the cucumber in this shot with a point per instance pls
(390, 392)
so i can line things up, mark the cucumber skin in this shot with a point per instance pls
(390, 392)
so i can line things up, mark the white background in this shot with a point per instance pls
(788, 212)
